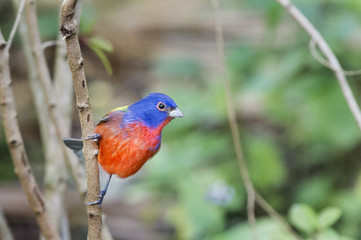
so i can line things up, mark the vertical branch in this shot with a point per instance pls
(69, 28)
(55, 169)
(5, 233)
(16, 145)
(59, 114)
(63, 87)
(233, 124)
(326, 50)
(63, 84)
(46, 85)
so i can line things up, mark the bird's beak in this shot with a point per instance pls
(176, 113)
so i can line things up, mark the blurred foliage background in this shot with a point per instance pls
(300, 140)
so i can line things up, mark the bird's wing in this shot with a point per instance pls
(123, 109)
(108, 116)
(76, 145)
(104, 119)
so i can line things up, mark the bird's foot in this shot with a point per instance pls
(95, 137)
(99, 201)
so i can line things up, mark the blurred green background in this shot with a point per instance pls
(300, 140)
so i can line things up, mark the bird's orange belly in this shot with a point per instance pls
(124, 157)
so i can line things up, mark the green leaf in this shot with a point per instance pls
(86, 26)
(303, 217)
(103, 58)
(99, 45)
(265, 162)
(88, 19)
(329, 234)
(345, 238)
(193, 217)
(267, 229)
(273, 15)
(315, 190)
(328, 217)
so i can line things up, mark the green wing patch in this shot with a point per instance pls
(123, 109)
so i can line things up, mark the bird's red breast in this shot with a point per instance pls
(124, 148)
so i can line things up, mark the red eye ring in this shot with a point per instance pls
(161, 106)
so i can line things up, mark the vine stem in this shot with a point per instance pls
(233, 123)
(252, 194)
(333, 62)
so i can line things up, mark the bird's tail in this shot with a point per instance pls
(76, 145)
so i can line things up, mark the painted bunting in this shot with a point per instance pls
(129, 136)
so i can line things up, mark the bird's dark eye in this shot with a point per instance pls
(161, 106)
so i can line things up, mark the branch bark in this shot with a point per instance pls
(15, 141)
(55, 170)
(312, 46)
(52, 106)
(69, 28)
(326, 50)
(63, 87)
(233, 124)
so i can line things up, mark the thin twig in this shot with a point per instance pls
(275, 215)
(63, 92)
(69, 28)
(5, 233)
(17, 149)
(55, 175)
(45, 80)
(324, 62)
(233, 123)
(15, 26)
(51, 43)
(76, 167)
(253, 195)
(332, 59)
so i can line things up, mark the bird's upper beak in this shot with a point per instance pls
(176, 113)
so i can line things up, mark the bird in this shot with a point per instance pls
(129, 136)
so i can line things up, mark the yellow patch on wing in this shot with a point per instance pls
(123, 109)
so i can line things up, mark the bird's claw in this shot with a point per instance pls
(95, 137)
(99, 201)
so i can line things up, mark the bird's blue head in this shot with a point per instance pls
(155, 109)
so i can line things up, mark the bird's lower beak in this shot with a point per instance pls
(176, 113)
